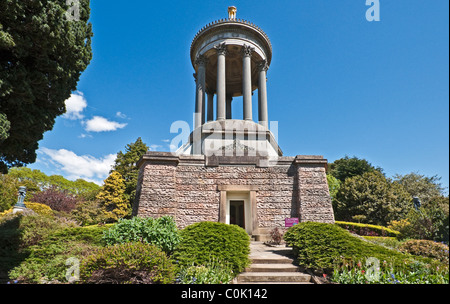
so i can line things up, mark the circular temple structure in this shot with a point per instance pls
(230, 58)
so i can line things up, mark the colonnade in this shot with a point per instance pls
(223, 107)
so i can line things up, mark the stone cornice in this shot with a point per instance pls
(231, 25)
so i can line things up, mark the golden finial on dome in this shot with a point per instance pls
(232, 12)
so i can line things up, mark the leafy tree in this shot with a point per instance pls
(8, 191)
(42, 55)
(56, 199)
(111, 197)
(421, 186)
(373, 196)
(88, 212)
(5, 125)
(125, 164)
(349, 167)
(36, 180)
(333, 185)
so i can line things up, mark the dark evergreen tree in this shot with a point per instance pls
(45, 45)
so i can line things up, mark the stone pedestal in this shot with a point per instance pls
(195, 188)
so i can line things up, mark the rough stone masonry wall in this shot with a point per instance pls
(313, 194)
(198, 195)
(189, 191)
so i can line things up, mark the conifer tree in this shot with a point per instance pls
(126, 165)
(43, 51)
(112, 200)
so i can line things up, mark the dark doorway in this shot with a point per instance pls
(237, 213)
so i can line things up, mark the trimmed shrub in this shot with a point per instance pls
(161, 232)
(40, 209)
(46, 261)
(128, 263)
(206, 241)
(367, 230)
(426, 248)
(320, 245)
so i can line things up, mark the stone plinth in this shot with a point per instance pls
(195, 188)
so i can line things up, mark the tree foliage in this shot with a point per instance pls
(349, 167)
(8, 191)
(56, 199)
(126, 165)
(421, 186)
(112, 200)
(36, 180)
(333, 185)
(42, 55)
(374, 196)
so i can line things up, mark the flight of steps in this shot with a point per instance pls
(271, 266)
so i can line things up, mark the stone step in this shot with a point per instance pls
(271, 260)
(287, 283)
(282, 267)
(265, 277)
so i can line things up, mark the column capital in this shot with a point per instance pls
(221, 48)
(201, 60)
(247, 50)
(263, 66)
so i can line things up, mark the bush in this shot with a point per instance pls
(206, 241)
(211, 273)
(371, 195)
(319, 245)
(56, 199)
(128, 263)
(161, 232)
(429, 223)
(40, 209)
(88, 213)
(367, 230)
(46, 261)
(426, 248)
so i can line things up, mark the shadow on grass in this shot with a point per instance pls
(11, 253)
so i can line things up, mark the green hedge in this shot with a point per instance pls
(319, 246)
(367, 229)
(206, 242)
(128, 263)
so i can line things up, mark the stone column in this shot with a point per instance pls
(247, 81)
(200, 93)
(262, 94)
(221, 93)
(228, 106)
(210, 115)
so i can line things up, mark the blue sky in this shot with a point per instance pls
(337, 85)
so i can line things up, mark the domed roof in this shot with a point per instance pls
(231, 24)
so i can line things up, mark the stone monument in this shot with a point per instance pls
(231, 169)
(20, 205)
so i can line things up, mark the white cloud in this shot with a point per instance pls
(154, 147)
(101, 124)
(76, 166)
(75, 105)
(121, 115)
